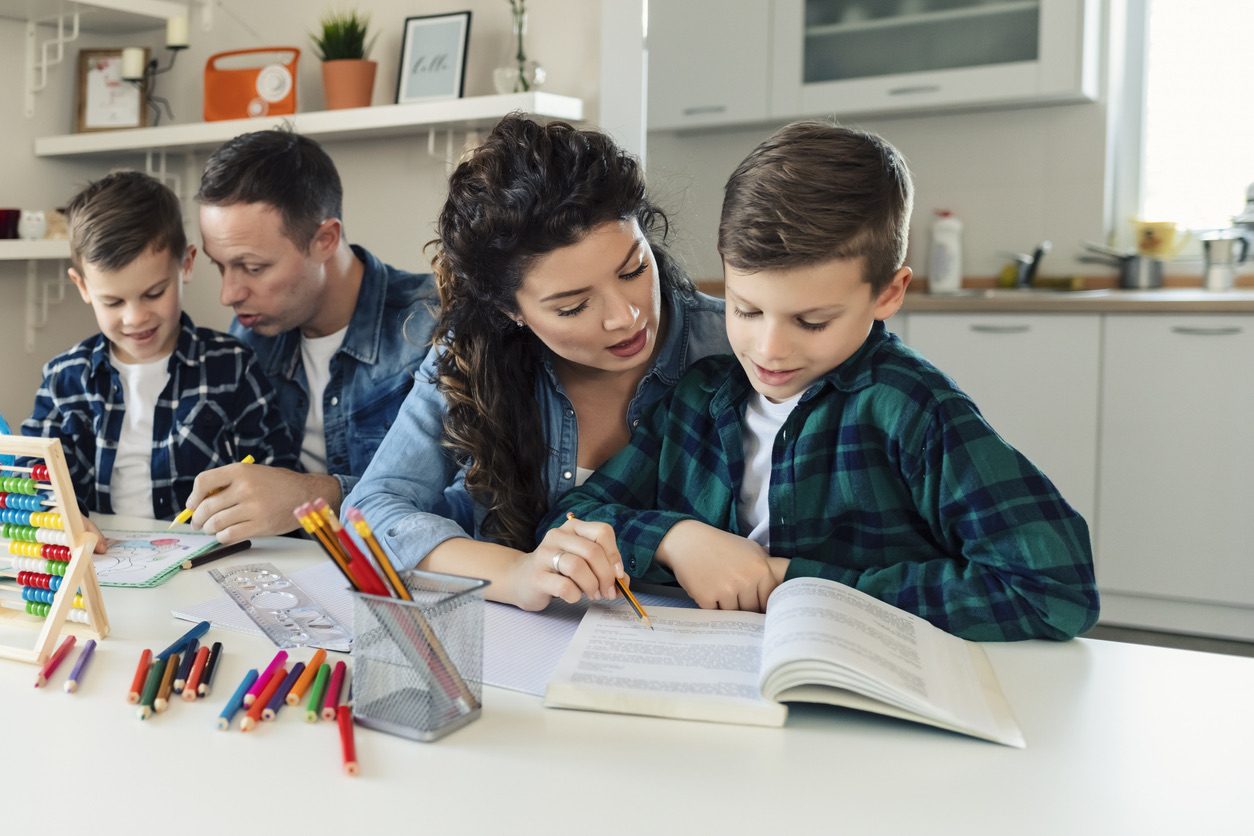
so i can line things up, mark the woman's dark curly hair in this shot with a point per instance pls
(529, 189)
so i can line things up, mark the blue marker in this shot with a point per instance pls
(185, 640)
(236, 702)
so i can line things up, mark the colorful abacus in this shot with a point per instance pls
(46, 567)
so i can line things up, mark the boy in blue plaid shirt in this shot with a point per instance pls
(147, 404)
(825, 447)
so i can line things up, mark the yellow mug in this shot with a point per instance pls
(1160, 239)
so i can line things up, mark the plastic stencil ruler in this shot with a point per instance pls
(282, 610)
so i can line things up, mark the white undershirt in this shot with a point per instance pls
(583, 474)
(130, 486)
(316, 354)
(763, 419)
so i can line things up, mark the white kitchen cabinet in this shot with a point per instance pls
(1177, 468)
(708, 62)
(1035, 378)
(896, 56)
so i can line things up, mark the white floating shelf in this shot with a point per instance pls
(98, 15)
(324, 125)
(16, 250)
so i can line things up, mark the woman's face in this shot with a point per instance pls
(596, 303)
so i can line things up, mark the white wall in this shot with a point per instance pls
(393, 189)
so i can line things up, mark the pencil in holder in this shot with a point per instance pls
(418, 665)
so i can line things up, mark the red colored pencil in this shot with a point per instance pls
(54, 661)
(193, 678)
(141, 673)
(344, 716)
(253, 717)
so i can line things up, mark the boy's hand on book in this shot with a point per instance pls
(718, 569)
(241, 501)
(580, 558)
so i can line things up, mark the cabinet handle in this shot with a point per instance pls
(701, 110)
(1199, 331)
(914, 89)
(1001, 329)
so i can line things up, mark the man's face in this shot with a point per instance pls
(272, 284)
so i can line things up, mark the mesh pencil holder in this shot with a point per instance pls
(418, 665)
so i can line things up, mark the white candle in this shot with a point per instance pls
(176, 32)
(133, 63)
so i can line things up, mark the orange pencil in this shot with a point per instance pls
(626, 590)
(54, 661)
(198, 667)
(253, 717)
(141, 673)
(302, 683)
(312, 523)
(344, 716)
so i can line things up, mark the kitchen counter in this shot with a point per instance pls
(997, 300)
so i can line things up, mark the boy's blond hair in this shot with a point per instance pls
(815, 191)
(121, 216)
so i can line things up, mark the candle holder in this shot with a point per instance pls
(146, 81)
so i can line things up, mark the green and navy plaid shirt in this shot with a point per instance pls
(885, 477)
(216, 408)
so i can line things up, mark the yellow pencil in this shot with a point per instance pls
(622, 586)
(186, 513)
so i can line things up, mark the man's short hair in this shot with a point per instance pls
(813, 192)
(121, 216)
(288, 171)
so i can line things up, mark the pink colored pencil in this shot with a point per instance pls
(332, 700)
(54, 661)
(275, 663)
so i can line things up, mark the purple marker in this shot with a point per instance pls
(71, 684)
(264, 679)
(280, 696)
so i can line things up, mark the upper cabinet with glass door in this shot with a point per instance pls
(901, 56)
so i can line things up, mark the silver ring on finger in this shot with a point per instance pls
(557, 557)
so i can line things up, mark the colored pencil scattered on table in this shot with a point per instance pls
(193, 675)
(277, 662)
(185, 640)
(236, 702)
(205, 683)
(185, 667)
(302, 684)
(152, 683)
(54, 661)
(332, 699)
(254, 711)
(80, 666)
(278, 698)
(162, 702)
(313, 709)
(141, 673)
(344, 716)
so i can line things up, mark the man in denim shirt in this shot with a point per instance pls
(338, 333)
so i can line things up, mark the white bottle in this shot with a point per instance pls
(944, 262)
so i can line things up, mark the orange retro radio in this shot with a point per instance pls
(251, 82)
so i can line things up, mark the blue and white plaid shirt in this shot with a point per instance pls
(216, 408)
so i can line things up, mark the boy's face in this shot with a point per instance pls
(272, 284)
(789, 327)
(138, 306)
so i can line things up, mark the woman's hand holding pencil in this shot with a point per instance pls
(579, 559)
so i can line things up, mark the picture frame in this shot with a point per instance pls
(105, 101)
(433, 58)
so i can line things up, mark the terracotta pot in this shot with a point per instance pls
(348, 83)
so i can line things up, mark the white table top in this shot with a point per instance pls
(1121, 739)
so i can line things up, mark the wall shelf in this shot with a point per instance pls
(98, 15)
(327, 125)
(18, 250)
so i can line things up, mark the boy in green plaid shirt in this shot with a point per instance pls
(825, 447)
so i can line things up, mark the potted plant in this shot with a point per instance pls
(347, 77)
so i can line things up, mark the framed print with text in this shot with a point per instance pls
(433, 58)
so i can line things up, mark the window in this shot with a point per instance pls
(1197, 124)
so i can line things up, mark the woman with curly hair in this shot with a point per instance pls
(562, 320)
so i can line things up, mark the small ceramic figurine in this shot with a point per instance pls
(32, 225)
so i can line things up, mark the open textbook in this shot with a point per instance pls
(819, 642)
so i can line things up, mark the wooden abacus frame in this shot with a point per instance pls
(80, 572)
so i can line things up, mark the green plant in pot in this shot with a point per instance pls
(342, 44)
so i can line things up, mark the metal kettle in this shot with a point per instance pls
(1223, 250)
(1136, 271)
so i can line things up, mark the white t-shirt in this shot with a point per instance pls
(763, 419)
(583, 474)
(316, 354)
(130, 486)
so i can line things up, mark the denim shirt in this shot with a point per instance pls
(371, 373)
(414, 494)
